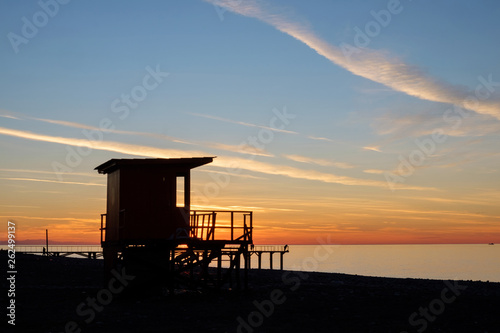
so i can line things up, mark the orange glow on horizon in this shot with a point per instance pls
(298, 212)
(61, 234)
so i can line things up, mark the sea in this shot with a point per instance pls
(476, 262)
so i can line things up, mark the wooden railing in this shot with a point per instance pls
(41, 249)
(221, 225)
(270, 248)
(212, 225)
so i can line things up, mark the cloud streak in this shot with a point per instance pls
(283, 170)
(318, 161)
(226, 162)
(312, 137)
(241, 149)
(374, 171)
(394, 126)
(53, 181)
(110, 130)
(232, 174)
(373, 65)
(118, 147)
(86, 174)
(49, 218)
(241, 123)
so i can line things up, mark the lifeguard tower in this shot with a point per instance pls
(150, 229)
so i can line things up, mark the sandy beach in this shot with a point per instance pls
(56, 294)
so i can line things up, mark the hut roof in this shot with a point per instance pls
(185, 162)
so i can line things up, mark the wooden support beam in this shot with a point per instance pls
(47, 240)
(238, 264)
(219, 270)
(231, 261)
(246, 258)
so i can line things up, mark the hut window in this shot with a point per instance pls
(180, 202)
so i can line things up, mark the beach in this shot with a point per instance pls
(57, 294)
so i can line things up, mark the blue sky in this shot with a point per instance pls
(228, 68)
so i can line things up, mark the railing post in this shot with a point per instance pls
(232, 225)
(245, 230)
(214, 217)
(251, 228)
(213, 228)
(203, 226)
(207, 228)
(192, 219)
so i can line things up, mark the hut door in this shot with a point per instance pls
(181, 200)
(179, 192)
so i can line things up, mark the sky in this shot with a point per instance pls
(346, 122)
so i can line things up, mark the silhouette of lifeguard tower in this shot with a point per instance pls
(150, 229)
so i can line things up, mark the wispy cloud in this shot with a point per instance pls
(49, 218)
(242, 149)
(374, 148)
(373, 65)
(118, 147)
(318, 161)
(19, 206)
(53, 181)
(319, 138)
(252, 208)
(225, 162)
(232, 174)
(144, 134)
(86, 174)
(457, 153)
(282, 170)
(465, 201)
(9, 116)
(374, 171)
(241, 123)
(111, 129)
(312, 137)
(394, 126)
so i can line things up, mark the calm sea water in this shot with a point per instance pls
(454, 262)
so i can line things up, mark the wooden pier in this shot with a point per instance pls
(259, 250)
(85, 251)
(95, 252)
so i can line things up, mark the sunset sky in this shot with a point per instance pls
(352, 122)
